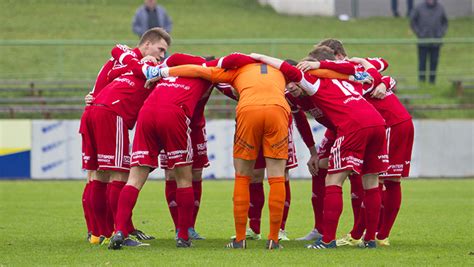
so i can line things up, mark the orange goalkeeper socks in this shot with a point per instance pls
(276, 204)
(241, 205)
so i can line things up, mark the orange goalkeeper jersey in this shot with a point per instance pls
(257, 83)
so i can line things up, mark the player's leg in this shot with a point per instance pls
(89, 163)
(276, 198)
(282, 235)
(358, 210)
(400, 148)
(243, 173)
(291, 163)
(185, 200)
(170, 193)
(174, 133)
(197, 190)
(127, 200)
(90, 223)
(200, 161)
(247, 142)
(318, 185)
(144, 159)
(333, 204)
(257, 198)
(375, 162)
(275, 151)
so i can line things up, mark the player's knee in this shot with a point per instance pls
(323, 163)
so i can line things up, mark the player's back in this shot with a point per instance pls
(345, 107)
(182, 92)
(260, 84)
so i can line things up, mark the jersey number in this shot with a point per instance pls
(346, 88)
(263, 69)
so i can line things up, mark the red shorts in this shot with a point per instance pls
(324, 148)
(105, 141)
(162, 128)
(363, 151)
(292, 161)
(399, 145)
(199, 141)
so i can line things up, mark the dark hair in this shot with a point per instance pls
(291, 62)
(155, 35)
(334, 44)
(209, 57)
(322, 52)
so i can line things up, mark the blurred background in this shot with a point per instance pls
(51, 52)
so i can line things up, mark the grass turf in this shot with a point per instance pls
(41, 223)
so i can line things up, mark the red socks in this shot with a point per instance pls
(287, 205)
(372, 203)
(332, 212)
(197, 189)
(98, 197)
(113, 193)
(392, 201)
(126, 203)
(185, 200)
(381, 190)
(86, 206)
(110, 214)
(357, 195)
(257, 200)
(170, 193)
(317, 199)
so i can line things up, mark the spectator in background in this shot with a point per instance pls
(151, 15)
(395, 8)
(428, 20)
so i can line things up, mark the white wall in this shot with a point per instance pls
(302, 7)
(442, 149)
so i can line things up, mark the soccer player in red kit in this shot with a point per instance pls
(164, 124)
(107, 159)
(357, 191)
(200, 161)
(360, 145)
(400, 135)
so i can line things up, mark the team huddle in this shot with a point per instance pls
(369, 137)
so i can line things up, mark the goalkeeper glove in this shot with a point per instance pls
(152, 72)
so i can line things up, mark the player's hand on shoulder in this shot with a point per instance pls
(89, 99)
(149, 58)
(357, 60)
(379, 92)
(308, 65)
(362, 77)
(150, 83)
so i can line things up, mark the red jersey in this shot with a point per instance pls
(391, 109)
(338, 99)
(125, 94)
(112, 65)
(179, 91)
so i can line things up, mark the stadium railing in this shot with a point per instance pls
(54, 94)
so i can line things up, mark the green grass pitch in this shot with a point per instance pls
(41, 223)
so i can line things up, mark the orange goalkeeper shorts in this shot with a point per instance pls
(261, 126)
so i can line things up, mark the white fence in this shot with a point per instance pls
(51, 149)
(442, 149)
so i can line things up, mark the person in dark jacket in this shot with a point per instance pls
(150, 15)
(428, 20)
